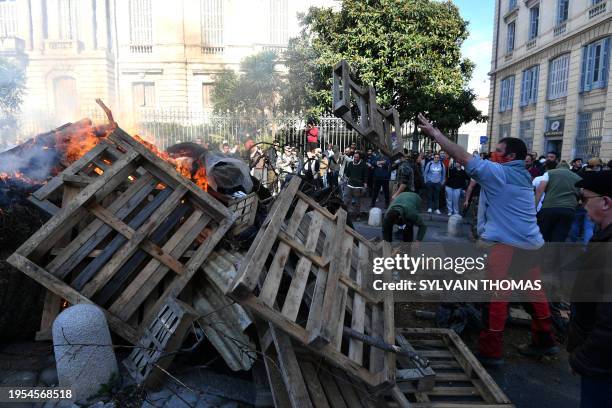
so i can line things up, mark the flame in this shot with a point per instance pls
(16, 175)
(75, 141)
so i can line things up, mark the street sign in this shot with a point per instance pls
(484, 140)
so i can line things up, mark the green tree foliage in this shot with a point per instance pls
(12, 86)
(256, 88)
(409, 50)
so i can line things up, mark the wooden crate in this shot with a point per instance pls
(141, 216)
(460, 381)
(245, 210)
(310, 285)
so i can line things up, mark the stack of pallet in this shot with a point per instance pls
(131, 235)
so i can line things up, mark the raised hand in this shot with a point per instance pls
(426, 126)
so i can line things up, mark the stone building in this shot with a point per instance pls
(549, 76)
(136, 53)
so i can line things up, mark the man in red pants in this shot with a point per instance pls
(507, 225)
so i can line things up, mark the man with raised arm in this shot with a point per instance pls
(508, 227)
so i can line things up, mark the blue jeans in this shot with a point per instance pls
(584, 223)
(595, 392)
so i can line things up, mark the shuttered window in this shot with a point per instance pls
(211, 20)
(562, 11)
(506, 94)
(510, 37)
(595, 65)
(558, 76)
(529, 86)
(534, 19)
(141, 23)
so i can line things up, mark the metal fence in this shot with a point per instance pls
(166, 127)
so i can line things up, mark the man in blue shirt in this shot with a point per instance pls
(381, 166)
(508, 226)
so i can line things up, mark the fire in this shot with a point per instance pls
(5, 176)
(76, 142)
(200, 178)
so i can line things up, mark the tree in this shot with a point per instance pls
(409, 50)
(256, 88)
(12, 86)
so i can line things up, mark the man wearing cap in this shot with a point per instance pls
(405, 210)
(590, 333)
(507, 227)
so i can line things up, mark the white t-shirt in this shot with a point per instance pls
(536, 183)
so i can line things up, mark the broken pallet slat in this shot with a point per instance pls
(128, 214)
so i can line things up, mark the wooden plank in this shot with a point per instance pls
(289, 240)
(97, 231)
(248, 275)
(138, 290)
(56, 182)
(275, 380)
(213, 207)
(57, 286)
(43, 239)
(347, 389)
(275, 272)
(295, 292)
(192, 266)
(315, 389)
(323, 331)
(292, 376)
(93, 268)
(359, 306)
(454, 391)
(337, 325)
(388, 373)
(131, 246)
(334, 396)
(45, 205)
(400, 398)
(77, 180)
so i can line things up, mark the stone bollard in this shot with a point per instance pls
(375, 217)
(454, 225)
(84, 356)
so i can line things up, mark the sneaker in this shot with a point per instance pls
(531, 350)
(429, 210)
(449, 214)
(490, 362)
(438, 212)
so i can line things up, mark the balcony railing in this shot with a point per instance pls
(560, 29)
(597, 10)
(11, 45)
(62, 45)
(212, 50)
(531, 44)
(141, 49)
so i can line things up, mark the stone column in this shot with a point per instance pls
(38, 24)
(541, 107)
(573, 101)
(101, 25)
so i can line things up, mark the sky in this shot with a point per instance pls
(477, 47)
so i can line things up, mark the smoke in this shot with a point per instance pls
(34, 161)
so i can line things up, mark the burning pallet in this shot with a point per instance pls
(314, 300)
(140, 217)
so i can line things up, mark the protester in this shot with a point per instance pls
(310, 170)
(380, 177)
(470, 205)
(559, 206)
(455, 185)
(434, 175)
(323, 168)
(370, 178)
(548, 165)
(356, 174)
(312, 135)
(534, 171)
(552, 156)
(510, 231)
(590, 331)
(595, 164)
(576, 165)
(333, 166)
(404, 210)
(405, 177)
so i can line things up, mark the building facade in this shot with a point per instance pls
(549, 76)
(136, 54)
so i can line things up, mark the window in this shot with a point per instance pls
(558, 76)
(562, 11)
(211, 21)
(507, 94)
(594, 2)
(504, 130)
(526, 133)
(8, 18)
(278, 22)
(529, 86)
(595, 63)
(588, 139)
(510, 37)
(534, 17)
(65, 98)
(512, 5)
(143, 94)
(207, 96)
(141, 25)
(67, 19)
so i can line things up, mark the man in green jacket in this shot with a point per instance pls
(404, 210)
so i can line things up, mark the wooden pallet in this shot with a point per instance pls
(299, 379)
(310, 285)
(140, 217)
(357, 106)
(460, 380)
(245, 210)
